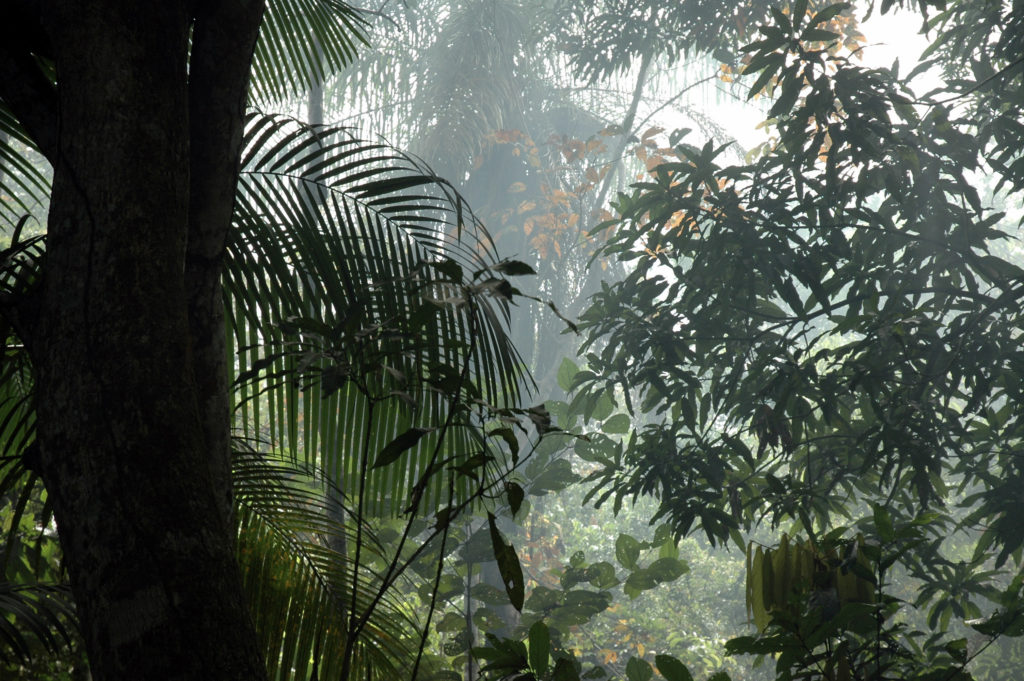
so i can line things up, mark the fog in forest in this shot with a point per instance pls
(601, 340)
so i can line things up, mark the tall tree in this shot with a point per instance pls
(139, 109)
(124, 322)
(830, 332)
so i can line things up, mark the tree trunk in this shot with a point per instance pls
(128, 344)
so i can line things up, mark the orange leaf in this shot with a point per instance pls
(651, 132)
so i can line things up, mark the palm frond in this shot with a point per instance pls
(328, 276)
(301, 43)
(293, 540)
(24, 176)
(470, 85)
(35, 619)
(20, 267)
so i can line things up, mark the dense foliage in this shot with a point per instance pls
(809, 353)
(827, 339)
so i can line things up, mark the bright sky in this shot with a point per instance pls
(888, 37)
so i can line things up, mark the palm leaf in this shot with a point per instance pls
(35, 619)
(24, 176)
(297, 572)
(333, 240)
(302, 42)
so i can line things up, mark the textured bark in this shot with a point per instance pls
(223, 39)
(132, 445)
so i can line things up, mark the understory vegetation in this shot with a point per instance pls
(596, 340)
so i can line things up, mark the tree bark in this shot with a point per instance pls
(223, 39)
(128, 340)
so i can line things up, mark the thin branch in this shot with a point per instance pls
(627, 127)
(437, 584)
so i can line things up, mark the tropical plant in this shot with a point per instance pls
(824, 339)
(366, 309)
(348, 297)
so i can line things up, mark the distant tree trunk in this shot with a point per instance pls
(128, 337)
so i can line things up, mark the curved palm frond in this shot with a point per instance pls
(328, 276)
(24, 183)
(301, 43)
(20, 267)
(36, 619)
(297, 572)
(471, 85)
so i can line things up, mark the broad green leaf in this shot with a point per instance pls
(668, 569)
(513, 268)
(400, 444)
(638, 669)
(627, 550)
(566, 371)
(672, 669)
(515, 496)
(508, 565)
(616, 424)
(883, 523)
(540, 643)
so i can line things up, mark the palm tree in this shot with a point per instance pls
(367, 312)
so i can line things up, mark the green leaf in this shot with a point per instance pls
(402, 443)
(638, 669)
(487, 593)
(513, 268)
(566, 371)
(799, 11)
(451, 269)
(617, 424)
(509, 437)
(540, 643)
(508, 565)
(515, 496)
(668, 569)
(883, 523)
(829, 12)
(565, 670)
(602, 575)
(639, 581)
(600, 406)
(556, 477)
(627, 550)
(818, 35)
(672, 669)
(958, 649)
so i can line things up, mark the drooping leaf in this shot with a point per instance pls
(540, 644)
(508, 565)
(400, 444)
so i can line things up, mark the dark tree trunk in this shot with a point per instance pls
(128, 342)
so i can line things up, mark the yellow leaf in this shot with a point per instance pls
(517, 187)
